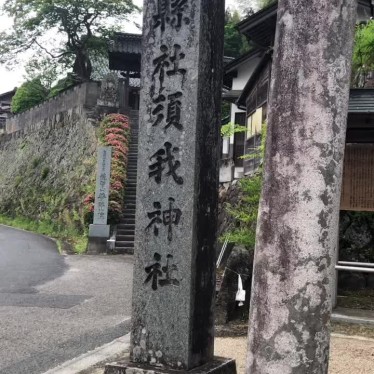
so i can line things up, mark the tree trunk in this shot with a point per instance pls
(298, 220)
(82, 67)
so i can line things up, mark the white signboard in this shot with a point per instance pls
(102, 186)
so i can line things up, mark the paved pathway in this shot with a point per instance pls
(54, 308)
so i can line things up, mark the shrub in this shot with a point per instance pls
(245, 211)
(30, 93)
(114, 131)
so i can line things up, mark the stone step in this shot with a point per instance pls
(124, 244)
(126, 226)
(125, 233)
(123, 250)
(124, 238)
(129, 221)
(130, 211)
(125, 217)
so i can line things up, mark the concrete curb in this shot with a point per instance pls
(337, 317)
(91, 358)
(352, 337)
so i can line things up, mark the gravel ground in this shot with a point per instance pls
(349, 355)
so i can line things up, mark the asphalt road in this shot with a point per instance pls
(54, 308)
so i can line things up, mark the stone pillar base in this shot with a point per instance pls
(97, 238)
(218, 365)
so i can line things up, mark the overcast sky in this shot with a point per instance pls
(13, 78)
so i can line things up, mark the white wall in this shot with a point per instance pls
(245, 71)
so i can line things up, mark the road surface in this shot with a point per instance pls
(54, 308)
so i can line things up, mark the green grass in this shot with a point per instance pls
(360, 299)
(78, 242)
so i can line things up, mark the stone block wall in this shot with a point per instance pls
(81, 99)
(48, 158)
(44, 173)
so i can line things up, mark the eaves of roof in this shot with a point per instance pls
(241, 102)
(233, 65)
(12, 92)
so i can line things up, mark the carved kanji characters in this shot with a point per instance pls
(168, 270)
(163, 62)
(155, 218)
(174, 108)
(175, 60)
(174, 111)
(165, 157)
(171, 12)
(161, 18)
(171, 217)
(155, 272)
(177, 9)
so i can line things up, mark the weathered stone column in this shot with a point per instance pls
(177, 191)
(99, 231)
(298, 220)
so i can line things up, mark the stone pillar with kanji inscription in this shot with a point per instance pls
(177, 191)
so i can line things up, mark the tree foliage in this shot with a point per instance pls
(265, 3)
(245, 211)
(363, 54)
(235, 43)
(82, 29)
(246, 7)
(29, 94)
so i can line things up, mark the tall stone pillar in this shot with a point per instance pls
(177, 191)
(299, 210)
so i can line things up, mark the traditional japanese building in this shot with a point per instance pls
(247, 86)
(125, 58)
(247, 82)
(5, 103)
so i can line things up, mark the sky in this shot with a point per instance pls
(13, 78)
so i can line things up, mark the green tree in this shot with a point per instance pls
(82, 29)
(45, 69)
(363, 54)
(30, 93)
(235, 43)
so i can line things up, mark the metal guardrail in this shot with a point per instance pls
(363, 264)
(355, 266)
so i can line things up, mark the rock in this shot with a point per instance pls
(359, 233)
(370, 281)
(239, 262)
(350, 281)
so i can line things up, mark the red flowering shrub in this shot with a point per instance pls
(114, 131)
